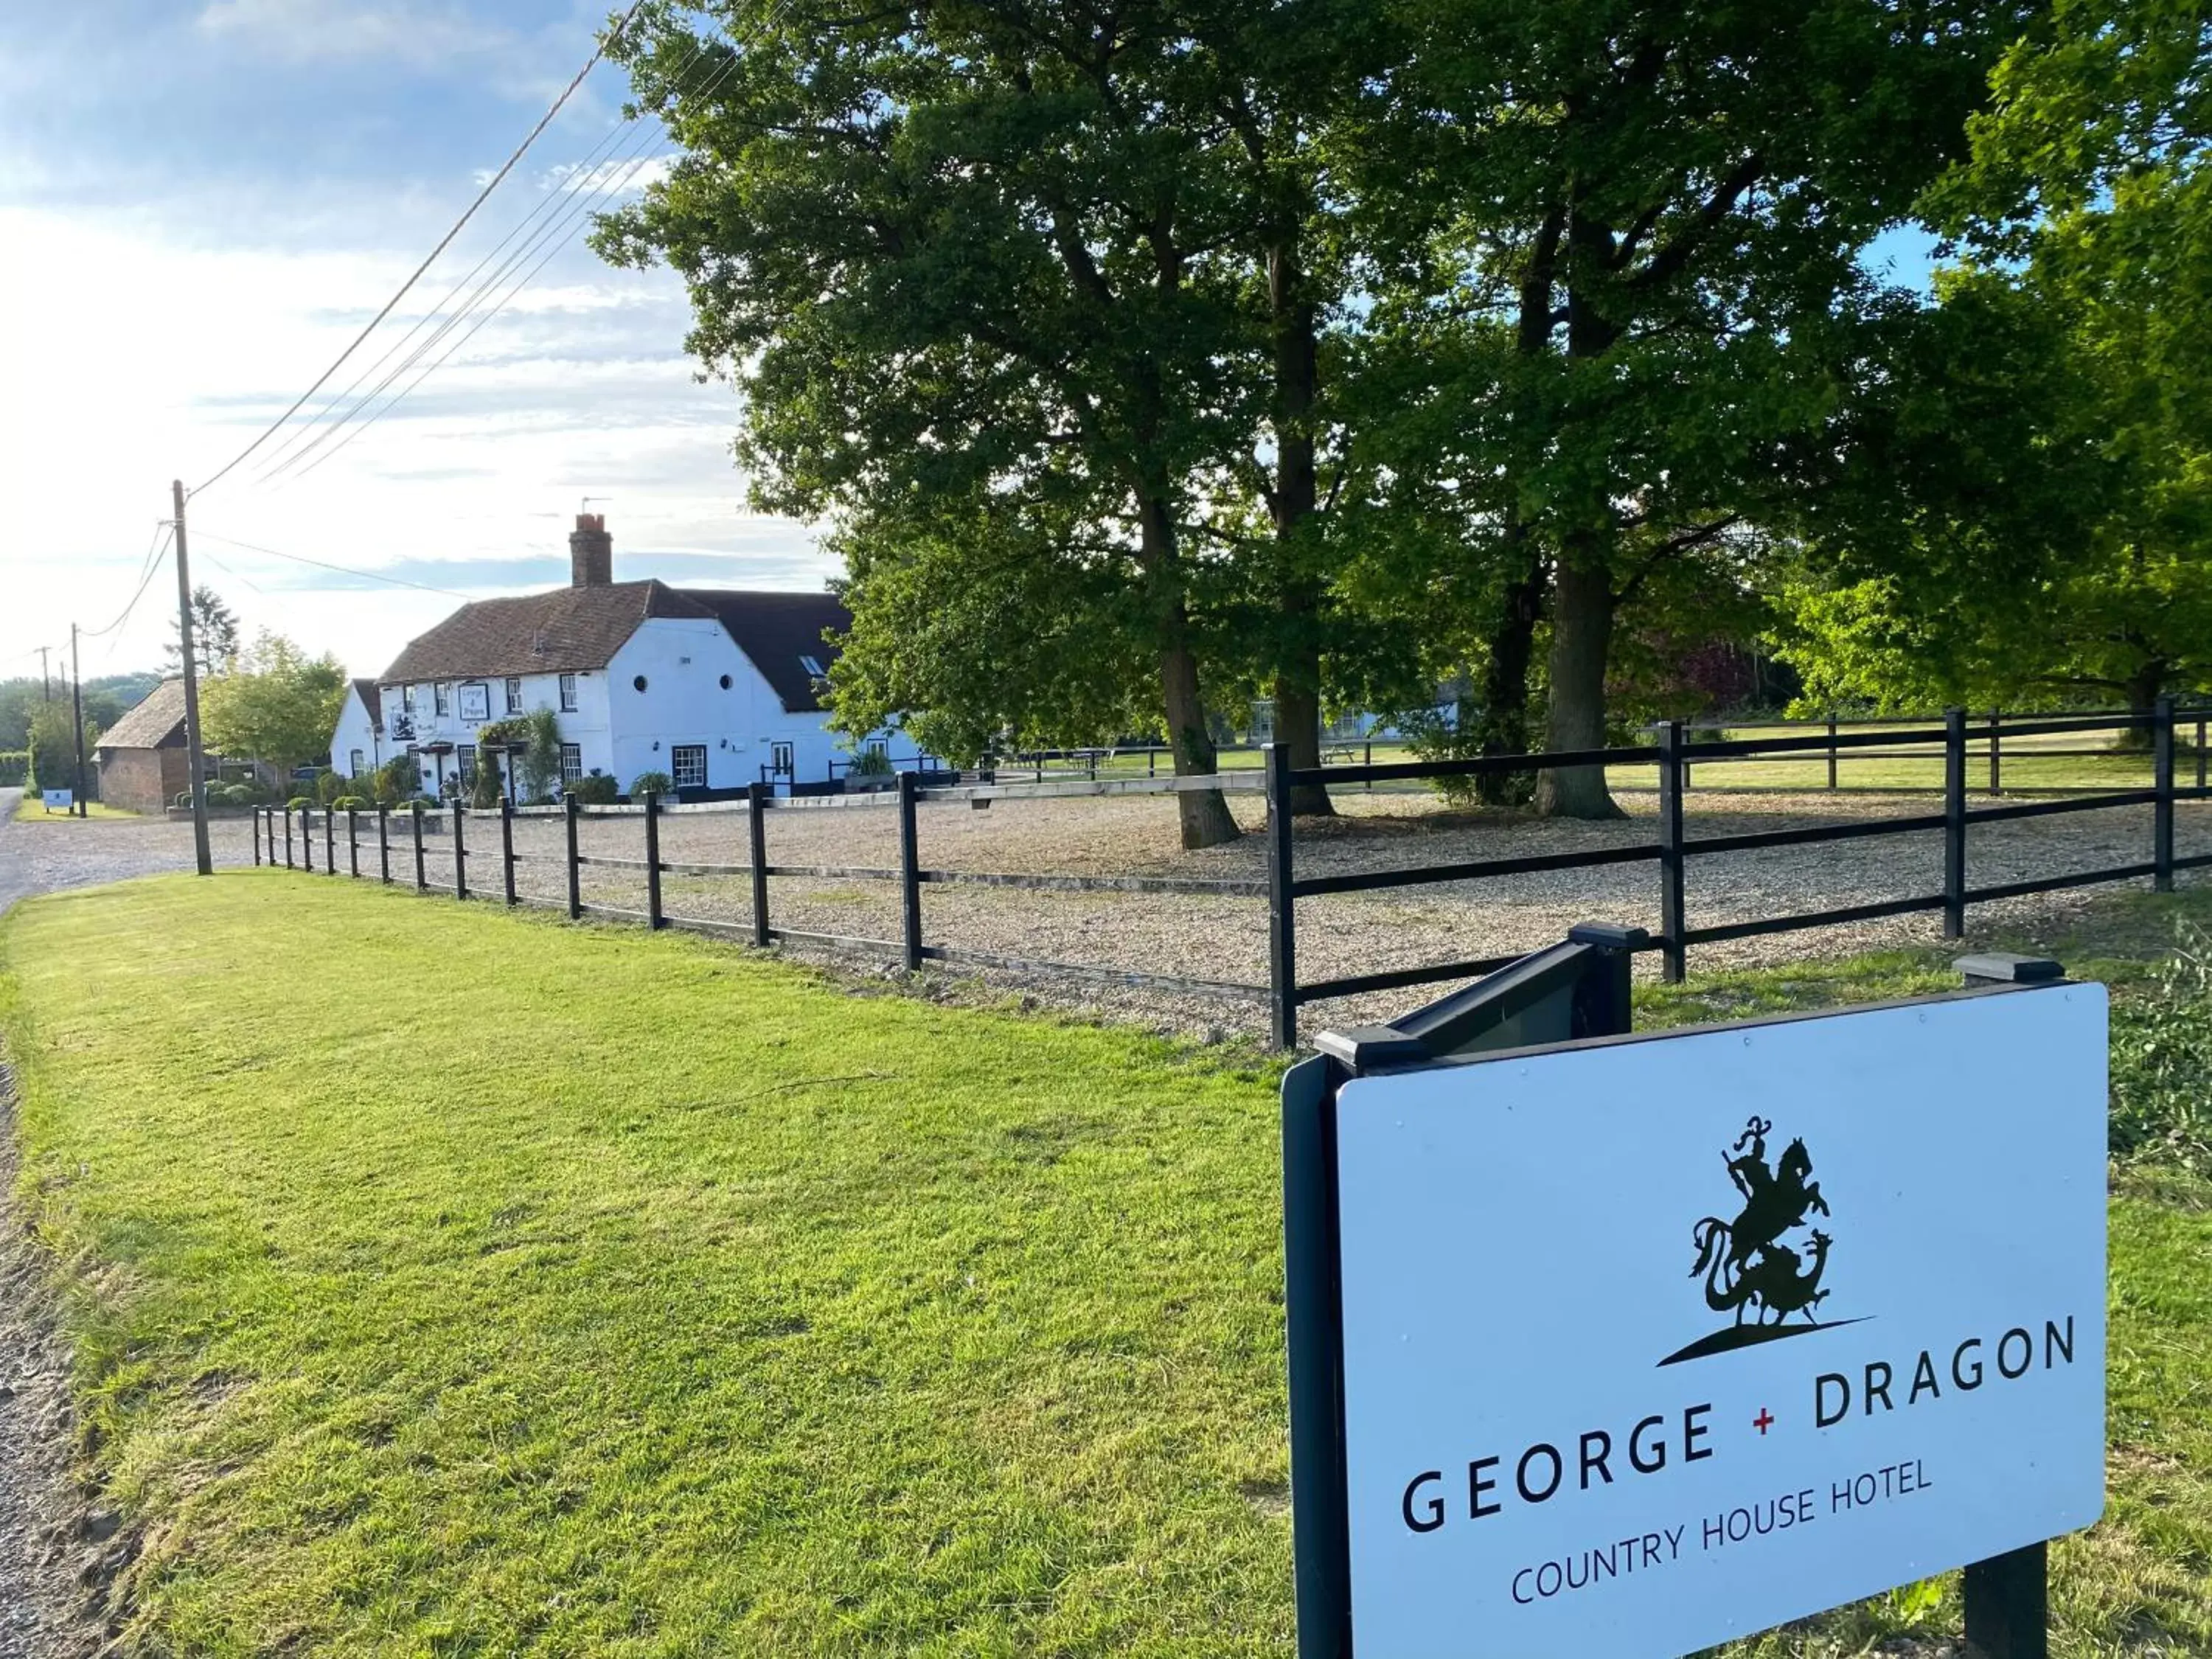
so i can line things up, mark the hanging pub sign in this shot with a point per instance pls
(1633, 1346)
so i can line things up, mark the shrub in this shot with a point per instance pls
(654, 783)
(183, 797)
(540, 766)
(352, 803)
(330, 785)
(598, 790)
(398, 780)
(15, 767)
(872, 764)
(298, 801)
(2161, 1056)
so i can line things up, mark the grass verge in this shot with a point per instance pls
(446, 1281)
(32, 810)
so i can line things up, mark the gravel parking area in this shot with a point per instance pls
(40, 855)
(1224, 938)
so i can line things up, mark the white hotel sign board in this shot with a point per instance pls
(1654, 1343)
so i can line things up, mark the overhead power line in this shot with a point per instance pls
(324, 564)
(145, 575)
(599, 50)
(561, 214)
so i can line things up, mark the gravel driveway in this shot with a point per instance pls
(38, 855)
(1224, 938)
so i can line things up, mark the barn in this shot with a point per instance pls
(141, 758)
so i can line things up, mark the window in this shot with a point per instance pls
(407, 699)
(812, 666)
(639, 681)
(515, 697)
(475, 703)
(441, 698)
(779, 759)
(880, 746)
(726, 681)
(572, 760)
(467, 757)
(357, 767)
(568, 694)
(687, 765)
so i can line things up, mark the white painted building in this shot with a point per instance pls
(357, 744)
(714, 687)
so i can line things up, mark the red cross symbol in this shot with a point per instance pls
(1763, 1422)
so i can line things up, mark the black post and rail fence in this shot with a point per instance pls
(1670, 850)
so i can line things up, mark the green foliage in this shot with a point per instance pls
(597, 790)
(329, 785)
(15, 767)
(650, 783)
(486, 789)
(298, 801)
(540, 767)
(399, 778)
(52, 749)
(352, 803)
(2162, 1059)
(106, 698)
(278, 705)
(215, 636)
(871, 763)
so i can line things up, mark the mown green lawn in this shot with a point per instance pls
(445, 1281)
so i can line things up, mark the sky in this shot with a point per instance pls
(202, 201)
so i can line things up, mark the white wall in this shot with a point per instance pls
(354, 732)
(622, 731)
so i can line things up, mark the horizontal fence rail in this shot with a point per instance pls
(472, 852)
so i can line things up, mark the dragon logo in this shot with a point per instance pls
(1749, 1273)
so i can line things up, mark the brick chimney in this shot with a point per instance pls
(591, 552)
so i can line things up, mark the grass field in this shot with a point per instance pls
(445, 1281)
(31, 810)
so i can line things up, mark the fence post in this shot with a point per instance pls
(1367, 758)
(257, 838)
(1674, 950)
(307, 839)
(1831, 752)
(756, 830)
(384, 843)
(1996, 753)
(507, 845)
(909, 843)
(330, 842)
(576, 811)
(1954, 823)
(2200, 751)
(2161, 830)
(460, 851)
(653, 858)
(353, 845)
(1282, 916)
(422, 883)
(2009, 1605)
(287, 812)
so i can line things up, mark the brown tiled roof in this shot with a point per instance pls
(156, 721)
(559, 632)
(366, 691)
(775, 630)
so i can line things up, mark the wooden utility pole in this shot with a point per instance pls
(76, 710)
(45, 677)
(192, 758)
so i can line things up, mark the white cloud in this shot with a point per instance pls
(304, 30)
(135, 357)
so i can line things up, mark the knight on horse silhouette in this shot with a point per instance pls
(1774, 1200)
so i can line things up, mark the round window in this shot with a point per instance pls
(639, 681)
(726, 681)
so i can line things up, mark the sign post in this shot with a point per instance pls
(1636, 1345)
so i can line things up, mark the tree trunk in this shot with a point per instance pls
(1206, 818)
(1296, 500)
(1502, 728)
(2143, 688)
(1581, 634)
(1205, 815)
